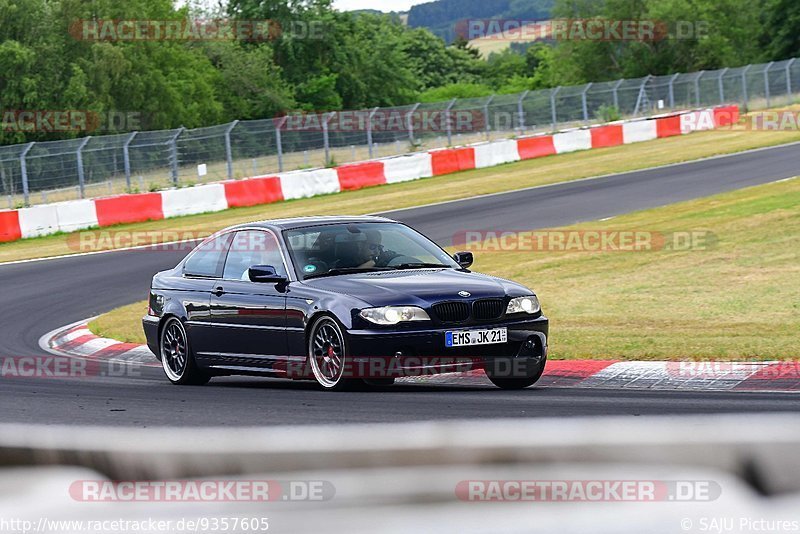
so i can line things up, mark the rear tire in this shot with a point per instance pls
(327, 355)
(503, 380)
(176, 356)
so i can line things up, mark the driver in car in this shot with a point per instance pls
(371, 249)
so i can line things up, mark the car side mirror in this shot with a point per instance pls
(464, 259)
(265, 274)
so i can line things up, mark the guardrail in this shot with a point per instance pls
(76, 215)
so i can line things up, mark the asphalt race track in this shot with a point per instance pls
(40, 296)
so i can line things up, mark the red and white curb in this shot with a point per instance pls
(77, 341)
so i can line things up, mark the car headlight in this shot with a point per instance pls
(524, 305)
(394, 314)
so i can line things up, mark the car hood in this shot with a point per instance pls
(418, 287)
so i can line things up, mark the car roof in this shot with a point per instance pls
(305, 222)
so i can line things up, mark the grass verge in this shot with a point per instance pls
(737, 298)
(552, 169)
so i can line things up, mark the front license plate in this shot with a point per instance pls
(465, 338)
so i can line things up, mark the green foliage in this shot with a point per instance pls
(456, 90)
(606, 113)
(329, 60)
(724, 33)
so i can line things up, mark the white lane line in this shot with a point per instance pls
(589, 178)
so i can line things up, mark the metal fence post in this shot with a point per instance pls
(642, 93)
(745, 98)
(79, 157)
(369, 131)
(326, 137)
(789, 76)
(410, 122)
(766, 80)
(584, 104)
(228, 149)
(279, 140)
(174, 154)
(486, 116)
(448, 125)
(721, 88)
(23, 167)
(521, 111)
(553, 114)
(126, 159)
(697, 87)
(672, 90)
(614, 92)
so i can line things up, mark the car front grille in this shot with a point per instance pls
(487, 309)
(480, 310)
(452, 312)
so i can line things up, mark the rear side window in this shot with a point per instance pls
(250, 248)
(208, 259)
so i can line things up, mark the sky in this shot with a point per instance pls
(383, 5)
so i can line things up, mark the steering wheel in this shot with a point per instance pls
(399, 259)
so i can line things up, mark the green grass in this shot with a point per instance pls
(529, 173)
(738, 299)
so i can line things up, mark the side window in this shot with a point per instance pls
(249, 248)
(208, 258)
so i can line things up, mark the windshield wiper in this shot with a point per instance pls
(347, 270)
(420, 266)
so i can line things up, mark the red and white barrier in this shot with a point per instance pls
(496, 153)
(407, 168)
(193, 200)
(123, 209)
(607, 136)
(38, 220)
(572, 141)
(304, 184)
(450, 160)
(726, 116)
(697, 121)
(253, 191)
(9, 226)
(76, 215)
(638, 131)
(536, 147)
(360, 175)
(668, 126)
(126, 209)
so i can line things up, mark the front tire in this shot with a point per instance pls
(327, 354)
(501, 378)
(176, 356)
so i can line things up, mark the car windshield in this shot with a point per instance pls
(362, 247)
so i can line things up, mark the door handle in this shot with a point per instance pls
(218, 291)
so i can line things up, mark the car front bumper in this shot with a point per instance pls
(415, 352)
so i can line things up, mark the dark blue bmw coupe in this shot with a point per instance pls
(341, 300)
